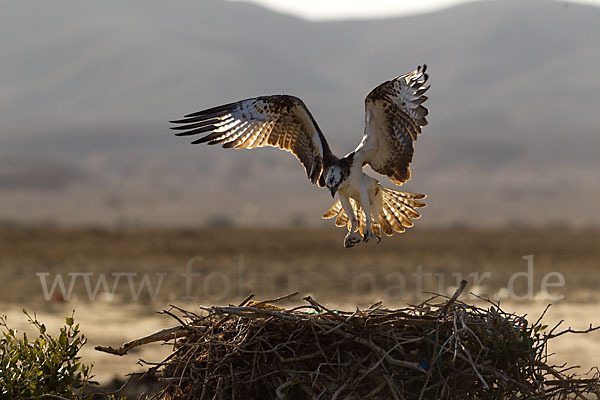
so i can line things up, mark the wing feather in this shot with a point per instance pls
(277, 121)
(394, 116)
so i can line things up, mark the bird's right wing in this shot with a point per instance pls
(278, 121)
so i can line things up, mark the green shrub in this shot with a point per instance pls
(45, 365)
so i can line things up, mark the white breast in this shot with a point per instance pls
(350, 187)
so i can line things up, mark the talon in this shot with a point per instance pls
(351, 240)
(371, 235)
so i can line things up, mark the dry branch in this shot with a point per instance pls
(161, 336)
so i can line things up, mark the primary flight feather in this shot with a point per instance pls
(394, 116)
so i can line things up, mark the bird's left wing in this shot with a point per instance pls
(394, 115)
(278, 121)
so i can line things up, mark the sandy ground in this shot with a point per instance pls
(191, 268)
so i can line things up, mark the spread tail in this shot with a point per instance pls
(395, 214)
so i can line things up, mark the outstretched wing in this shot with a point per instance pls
(394, 115)
(277, 121)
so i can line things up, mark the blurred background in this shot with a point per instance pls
(92, 182)
(88, 89)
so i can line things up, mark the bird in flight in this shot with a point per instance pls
(394, 116)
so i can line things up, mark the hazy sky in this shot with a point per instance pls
(353, 9)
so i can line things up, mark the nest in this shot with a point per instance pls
(439, 349)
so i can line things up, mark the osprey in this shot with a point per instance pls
(394, 115)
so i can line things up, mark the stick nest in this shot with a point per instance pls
(439, 349)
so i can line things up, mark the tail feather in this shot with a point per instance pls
(385, 225)
(393, 219)
(342, 218)
(406, 205)
(333, 210)
(406, 194)
(409, 201)
(398, 209)
(402, 211)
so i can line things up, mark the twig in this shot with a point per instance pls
(161, 336)
(459, 290)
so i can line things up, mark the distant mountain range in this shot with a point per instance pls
(88, 88)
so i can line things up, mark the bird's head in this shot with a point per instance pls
(333, 179)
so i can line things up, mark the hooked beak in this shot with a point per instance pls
(333, 191)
